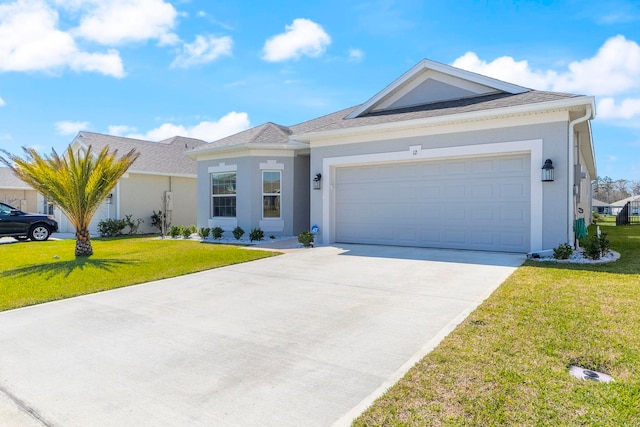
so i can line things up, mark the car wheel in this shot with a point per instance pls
(39, 233)
(21, 238)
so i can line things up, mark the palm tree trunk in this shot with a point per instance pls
(83, 243)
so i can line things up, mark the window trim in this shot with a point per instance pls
(212, 174)
(279, 195)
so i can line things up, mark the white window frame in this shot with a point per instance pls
(214, 196)
(279, 195)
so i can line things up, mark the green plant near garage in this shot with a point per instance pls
(306, 238)
(238, 232)
(563, 251)
(256, 234)
(217, 232)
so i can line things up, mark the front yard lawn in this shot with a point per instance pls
(506, 364)
(36, 272)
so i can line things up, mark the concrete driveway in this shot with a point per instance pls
(306, 338)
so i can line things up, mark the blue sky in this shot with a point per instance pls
(156, 68)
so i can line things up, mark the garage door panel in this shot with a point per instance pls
(481, 203)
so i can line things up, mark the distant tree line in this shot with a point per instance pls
(607, 190)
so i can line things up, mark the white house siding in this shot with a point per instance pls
(550, 206)
(141, 194)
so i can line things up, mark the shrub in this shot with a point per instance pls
(256, 234)
(272, 237)
(596, 246)
(592, 247)
(187, 232)
(306, 238)
(133, 225)
(203, 232)
(563, 251)
(216, 232)
(238, 232)
(175, 230)
(111, 227)
(604, 244)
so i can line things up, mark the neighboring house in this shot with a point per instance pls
(601, 208)
(161, 179)
(441, 158)
(17, 193)
(616, 207)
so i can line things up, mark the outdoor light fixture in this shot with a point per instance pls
(547, 171)
(316, 181)
(110, 198)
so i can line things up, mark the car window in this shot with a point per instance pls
(5, 210)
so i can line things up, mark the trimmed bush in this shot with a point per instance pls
(187, 232)
(217, 232)
(306, 238)
(256, 234)
(175, 231)
(238, 232)
(203, 232)
(111, 227)
(563, 251)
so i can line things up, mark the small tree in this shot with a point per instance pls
(77, 182)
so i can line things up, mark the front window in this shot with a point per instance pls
(271, 181)
(223, 194)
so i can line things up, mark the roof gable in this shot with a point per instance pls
(431, 82)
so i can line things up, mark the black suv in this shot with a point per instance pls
(23, 226)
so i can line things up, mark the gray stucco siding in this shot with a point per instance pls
(554, 139)
(249, 203)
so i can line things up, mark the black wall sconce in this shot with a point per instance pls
(547, 171)
(110, 198)
(316, 181)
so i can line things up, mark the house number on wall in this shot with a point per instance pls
(415, 149)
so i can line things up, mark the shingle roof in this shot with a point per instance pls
(624, 201)
(466, 105)
(164, 157)
(8, 180)
(271, 133)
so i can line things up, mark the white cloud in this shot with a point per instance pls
(206, 130)
(2, 103)
(613, 70)
(204, 49)
(628, 108)
(302, 37)
(119, 130)
(71, 128)
(507, 69)
(356, 55)
(116, 22)
(30, 41)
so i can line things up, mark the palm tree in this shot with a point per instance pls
(76, 182)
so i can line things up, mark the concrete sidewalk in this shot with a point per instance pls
(306, 338)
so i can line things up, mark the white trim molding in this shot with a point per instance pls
(222, 167)
(417, 153)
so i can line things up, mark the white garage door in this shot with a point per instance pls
(478, 203)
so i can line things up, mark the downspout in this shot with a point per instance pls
(571, 173)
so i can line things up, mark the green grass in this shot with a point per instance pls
(506, 365)
(36, 272)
